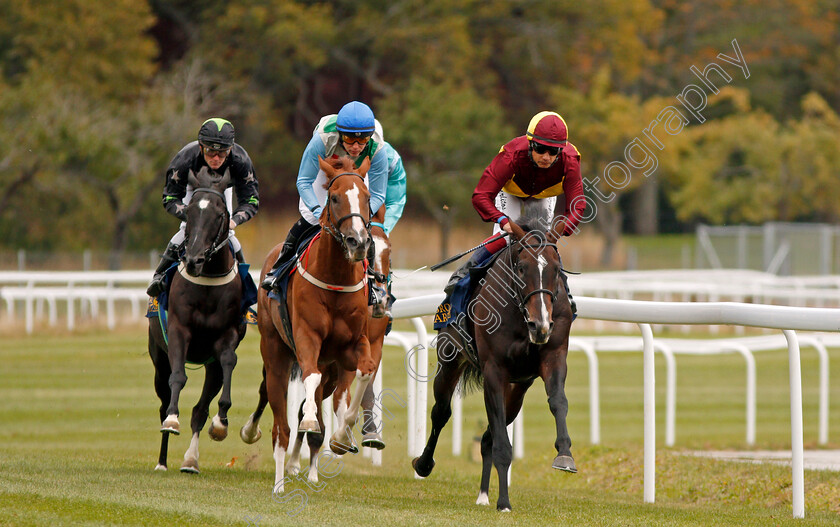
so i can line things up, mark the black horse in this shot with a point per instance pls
(517, 330)
(205, 323)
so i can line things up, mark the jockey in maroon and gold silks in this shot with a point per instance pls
(513, 171)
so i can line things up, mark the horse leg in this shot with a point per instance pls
(371, 431)
(293, 464)
(226, 348)
(308, 351)
(316, 439)
(496, 389)
(364, 373)
(341, 402)
(200, 412)
(179, 341)
(446, 380)
(162, 371)
(554, 377)
(277, 364)
(513, 405)
(250, 431)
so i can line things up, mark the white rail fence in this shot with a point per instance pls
(87, 290)
(644, 313)
(46, 296)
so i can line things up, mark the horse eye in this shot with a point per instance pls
(334, 199)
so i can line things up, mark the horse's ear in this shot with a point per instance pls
(365, 166)
(224, 182)
(518, 232)
(328, 169)
(192, 179)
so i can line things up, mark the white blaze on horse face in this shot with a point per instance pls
(203, 204)
(541, 265)
(356, 208)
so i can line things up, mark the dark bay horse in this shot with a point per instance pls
(519, 328)
(205, 323)
(328, 308)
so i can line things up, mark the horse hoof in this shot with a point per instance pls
(217, 431)
(503, 508)
(565, 463)
(422, 470)
(309, 426)
(250, 439)
(160, 468)
(483, 499)
(171, 425)
(340, 449)
(373, 440)
(292, 470)
(190, 466)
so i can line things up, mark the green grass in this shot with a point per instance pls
(80, 441)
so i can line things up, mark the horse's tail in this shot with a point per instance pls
(295, 373)
(472, 379)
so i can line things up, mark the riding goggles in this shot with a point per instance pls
(349, 139)
(543, 149)
(212, 152)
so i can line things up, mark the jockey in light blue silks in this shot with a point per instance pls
(352, 133)
(395, 194)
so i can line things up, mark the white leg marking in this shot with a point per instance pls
(217, 422)
(250, 431)
(279, 459)
(293, 466)
(310, 408)
(192, 451)
(483, 499)
(313, 472)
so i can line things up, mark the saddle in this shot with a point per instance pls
(158, 307)
(284, 272)
(458, 301)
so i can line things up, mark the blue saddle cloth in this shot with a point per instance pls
(159, 307)
(285, 271)
(458, 301)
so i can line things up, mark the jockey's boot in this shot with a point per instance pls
(478, 256)
(239, 256)
(169, 257)
(286, 253)
(374, 292)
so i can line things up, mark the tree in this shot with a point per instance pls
(444, 160)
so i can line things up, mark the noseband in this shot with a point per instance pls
(524, 299)
(334, 227)
(218, 242)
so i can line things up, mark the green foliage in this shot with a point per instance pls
(95, 118)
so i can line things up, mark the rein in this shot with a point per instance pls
(218, 243)
(524, 299)
(334, 228)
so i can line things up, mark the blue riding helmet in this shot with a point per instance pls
(356, 119)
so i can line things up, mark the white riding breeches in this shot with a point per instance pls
(536, 212)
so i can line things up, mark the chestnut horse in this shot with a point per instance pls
(519, 327)
(337, 382)
(328, 307)
(205, 323)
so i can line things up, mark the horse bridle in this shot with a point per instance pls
(334, 228)
(218, 242)
(524, 299)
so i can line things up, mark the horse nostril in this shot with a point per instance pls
(532, 326)
(352, 243)
(550, 327)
